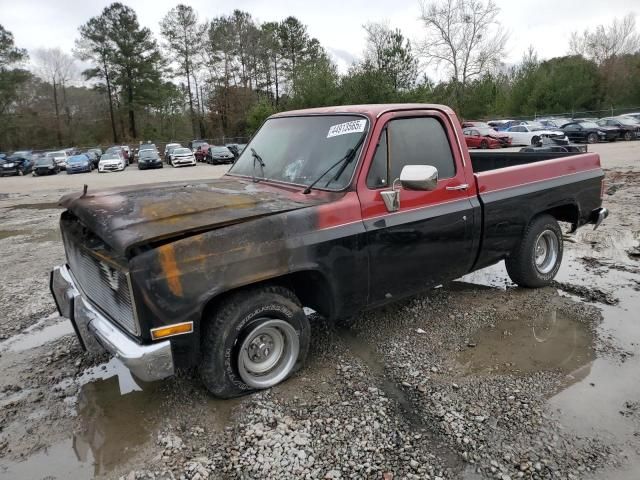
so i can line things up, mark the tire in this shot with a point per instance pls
(484, 144)
(628, 136)
(225, 366)
(592, 138)
(534, 141)
(536, 260)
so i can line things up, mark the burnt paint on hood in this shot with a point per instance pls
(135, 216)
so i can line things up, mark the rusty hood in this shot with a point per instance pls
(150, 214)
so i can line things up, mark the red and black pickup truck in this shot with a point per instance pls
(335, 209)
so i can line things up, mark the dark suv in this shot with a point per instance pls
(18, 163)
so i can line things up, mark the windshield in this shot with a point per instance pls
(44, 161)
(148, 154)
(110, 156)
(113, 149)
(220, 150)
(182, 151)
(588, 124)
(299, 149)
(147, 146)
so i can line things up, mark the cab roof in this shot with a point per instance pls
(371, 111)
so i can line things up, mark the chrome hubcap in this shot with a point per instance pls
(546, 251)
(268, 354)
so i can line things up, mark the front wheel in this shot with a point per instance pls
(254, 340)
(592, 138)
(628, 136)
(536, 260)
(484, 144)
(534, 141)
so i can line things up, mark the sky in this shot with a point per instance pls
(544, 24)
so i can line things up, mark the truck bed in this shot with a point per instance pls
(485, 161)
(512, 187)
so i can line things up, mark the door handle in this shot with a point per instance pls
(462, 186)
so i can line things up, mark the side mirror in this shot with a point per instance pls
(419, 177)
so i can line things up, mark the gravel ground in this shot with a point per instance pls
(476, 379)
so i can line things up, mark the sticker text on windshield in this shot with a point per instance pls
(354, 126)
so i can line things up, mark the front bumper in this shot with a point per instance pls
(98, 334)
(111, 167)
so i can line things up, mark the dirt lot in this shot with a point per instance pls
(477, 379)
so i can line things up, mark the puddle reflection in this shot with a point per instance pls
(527, 343)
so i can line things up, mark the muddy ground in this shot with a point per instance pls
(476, 379)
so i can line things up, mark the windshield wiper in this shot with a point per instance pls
(257, 158)
(346, 160)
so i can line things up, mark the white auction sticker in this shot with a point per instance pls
(354, 126)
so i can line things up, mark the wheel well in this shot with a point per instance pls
(565, 213)
(310, 286)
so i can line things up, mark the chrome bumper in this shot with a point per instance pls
(98, 334)
(597, 216)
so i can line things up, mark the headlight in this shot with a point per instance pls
(9, 165)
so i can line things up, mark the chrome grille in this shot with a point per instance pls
(106, 286)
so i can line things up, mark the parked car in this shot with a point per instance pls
(96, 150)
(530, 134)
(217, 155)
(182, 157)
(635, 115)
(236, 149)
(118, 149)
(202, 152)
(502, 125)
(553, 123)
(218, 279)
(589, 132)
(149, 159)
(60, 157)
(548, 145)
(169, 146)
(167, 157)
(112, 162)
(3, 156)
(79, 164)
(128, 154)
(478, 137)
(194, 144)
(93, 158)
(627, 129)
(45, 166)
(18, 163)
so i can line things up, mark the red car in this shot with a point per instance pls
(484, 138)
(201, 152)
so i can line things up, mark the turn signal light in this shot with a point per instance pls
(171, 330)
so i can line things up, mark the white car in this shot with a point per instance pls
(530, 134)
(59, 157)
(182, 157)
(111, 162)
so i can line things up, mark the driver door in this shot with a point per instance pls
(430, 238)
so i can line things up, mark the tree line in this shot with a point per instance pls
(223, 77)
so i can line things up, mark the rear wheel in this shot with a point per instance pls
(592, 138)
(536, 260)
(484, 144)
(254, 340)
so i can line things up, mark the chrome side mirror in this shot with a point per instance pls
(419, 177)
(391, 198)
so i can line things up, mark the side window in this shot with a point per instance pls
(378, 172)
(419, 141)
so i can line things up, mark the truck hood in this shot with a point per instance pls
(140, 215)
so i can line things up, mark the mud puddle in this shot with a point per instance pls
(36, 206)
(118, 417)
(524, 344)
(37, 335)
